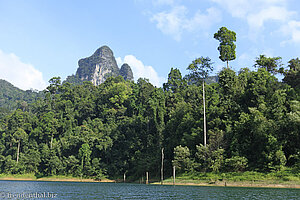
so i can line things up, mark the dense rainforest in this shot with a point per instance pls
(252, 123)
(12, 98)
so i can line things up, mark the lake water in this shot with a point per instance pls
(78, 190)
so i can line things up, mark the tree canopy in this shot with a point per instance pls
(120, 127)
(270, 64)
(227, 47)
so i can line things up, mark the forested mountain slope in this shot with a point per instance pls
(246, 120)
(120, 127)
(12, 97)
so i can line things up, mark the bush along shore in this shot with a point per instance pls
(283, 179)
(278, 179)
(33, 177)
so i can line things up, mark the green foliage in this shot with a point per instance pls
(12, 98)
(236, 164)
(270, 64)
(54, 85)
(84, 154)
(118, 127)
(208, 159)
(217, 160)
(292, 75)
(73, 79)
(203, 158)
(199, 70)
(19, 135)
(182, 160)
(227, 46)
(279, 160)
(175, 81)
(296, 159)
(286, 176)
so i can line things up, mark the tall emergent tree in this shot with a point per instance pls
(199, 70)
(227, 46)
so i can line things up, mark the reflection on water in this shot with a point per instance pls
(78, 190)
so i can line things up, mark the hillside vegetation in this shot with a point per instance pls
(121, 127)
(12, 98)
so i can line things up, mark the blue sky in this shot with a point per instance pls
(40, 39)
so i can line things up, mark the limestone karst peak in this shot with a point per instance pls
(98, 67)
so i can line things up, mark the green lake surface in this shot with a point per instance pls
(80, 190)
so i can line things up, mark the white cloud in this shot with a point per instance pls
(170, 23)
(202, 20)
(291, 29)
(175, 22)
(295, 30)
(119, 61)
(140, 70)
(258, 12)
(21, 75)
(237, 8)
(257, 20)
(242, 8)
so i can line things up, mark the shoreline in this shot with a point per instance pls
(56, 179)
(235, 184)
(186, 183)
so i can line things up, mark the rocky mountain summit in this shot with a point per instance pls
(126, 72)
(98, 67)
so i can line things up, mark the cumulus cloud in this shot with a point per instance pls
(176, 21)
(237, 8)
(170, 22)
(258, 12)
(291, 29)
(243, 8)
(257, 20)
(294, 27)
(140, 70)
(21, 75)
